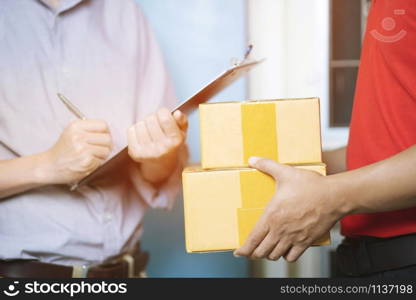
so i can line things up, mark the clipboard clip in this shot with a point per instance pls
(236, 62)
(248, 51)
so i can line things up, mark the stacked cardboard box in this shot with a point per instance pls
(224, 198)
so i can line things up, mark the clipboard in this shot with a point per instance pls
(222, 81)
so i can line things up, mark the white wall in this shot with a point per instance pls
(294, 37)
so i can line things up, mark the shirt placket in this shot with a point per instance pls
(104, 206)
(62, 71)
(109, 223)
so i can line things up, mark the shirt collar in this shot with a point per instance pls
(64, 5)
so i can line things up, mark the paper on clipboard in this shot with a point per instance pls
(224, 80)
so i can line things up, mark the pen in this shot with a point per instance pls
(71, 107)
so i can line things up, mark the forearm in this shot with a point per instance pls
(158, 172)
(384, 186)
(21, 174)
(335, 160)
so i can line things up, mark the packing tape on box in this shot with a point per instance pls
(256, 189)
(259, 130)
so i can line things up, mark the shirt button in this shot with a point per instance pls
(108, 217)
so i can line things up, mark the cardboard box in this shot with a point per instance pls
(287, 131)
(222, 206)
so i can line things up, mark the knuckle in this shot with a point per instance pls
(253, 242)
(164, 117)
(108, 140)
(274, 234)
(169, 144)
(76, 137)
(87, 161)
(74, 124)
(134, 153)
(271, 218)
(262, 163)
(259, 254)
(106, 152)
(104, 125)
(302, 238)
(160, 150)
(176, 141)
(78, 147)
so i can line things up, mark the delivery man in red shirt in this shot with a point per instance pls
(374, 192)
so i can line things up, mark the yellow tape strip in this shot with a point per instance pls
(259, 130)
(247, 219)
(257, 189)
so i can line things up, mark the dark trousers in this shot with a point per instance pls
(401, 273)
(369, 257)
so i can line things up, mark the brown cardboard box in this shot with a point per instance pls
(222, 206)
(287, 131)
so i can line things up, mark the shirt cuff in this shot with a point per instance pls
(164, 196)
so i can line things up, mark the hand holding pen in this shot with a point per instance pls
(82, 147)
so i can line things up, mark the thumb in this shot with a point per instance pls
(181, 120)
(277, 171)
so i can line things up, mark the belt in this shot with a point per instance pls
(128, 265)
(367, 255)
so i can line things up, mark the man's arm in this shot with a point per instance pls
(306, 205)
(21, 174)
(82, 147)
(384, 186)
(335, 160)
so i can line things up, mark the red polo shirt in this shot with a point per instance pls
(384, 113)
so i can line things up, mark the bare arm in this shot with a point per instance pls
(21, 174)
(296, 217)
(335, 160)
(82, 147)
(387, 185)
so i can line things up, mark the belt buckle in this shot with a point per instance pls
(129, 259)
(80, 271)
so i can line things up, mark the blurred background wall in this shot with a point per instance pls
(198, 39)
(312, 49)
